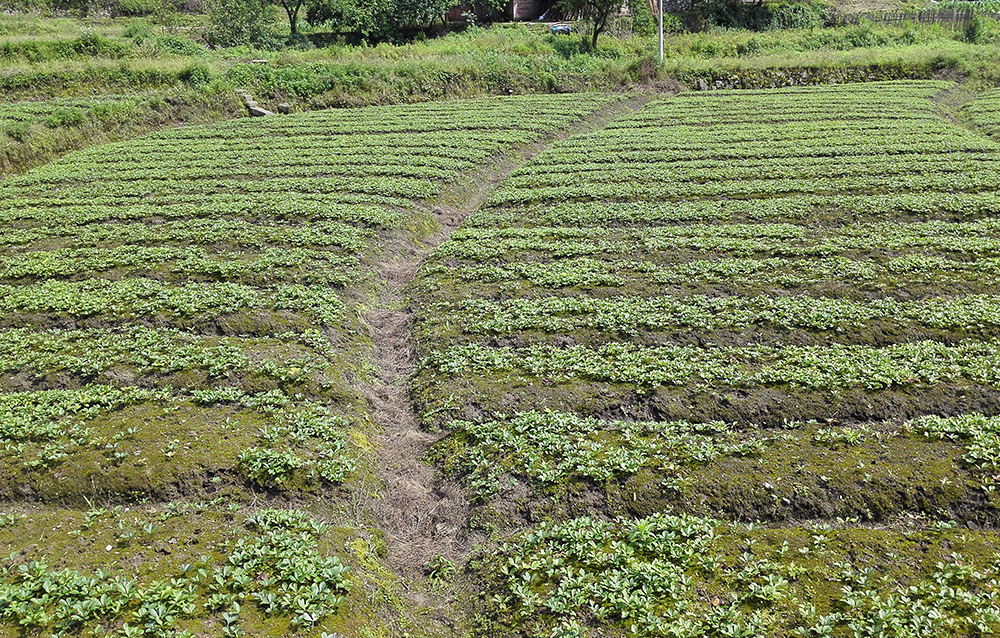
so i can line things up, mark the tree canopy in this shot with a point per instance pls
(376, 18)
(598, 12)
(241, 22)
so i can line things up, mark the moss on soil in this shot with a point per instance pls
(154, 542)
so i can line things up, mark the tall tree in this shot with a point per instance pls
(291, 8)
(418, 13)
(598, 12)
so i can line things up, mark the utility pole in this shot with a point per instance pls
(661, 30)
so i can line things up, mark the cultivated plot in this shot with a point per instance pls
(729, 309)
(183, 353)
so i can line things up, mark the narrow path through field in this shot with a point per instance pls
(422, 514)
(950, 103)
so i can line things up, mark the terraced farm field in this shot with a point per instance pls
(731, 361)
(710, 364)
(186, 367)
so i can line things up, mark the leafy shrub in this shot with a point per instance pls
(157, 103)
(749, 47)
(266, 467)
(78, 8)
(17, 130)
(672, 23)
(106, 111)
(31, 51)
(863, 35)
(92, 45)
(134, 7)
(63, 117)
(567, 46)
(800, 15)
(644, 22)
(982, 30)
(137, 31)
(761, 17)
(178, 45)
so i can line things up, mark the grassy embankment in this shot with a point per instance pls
(136, 77)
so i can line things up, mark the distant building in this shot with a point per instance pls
(528, 9)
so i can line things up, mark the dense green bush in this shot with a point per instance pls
(734, 14)
(137, 31)
(63, 117)
(242, 22)
(95, 46)
(84, 8)
(134, 7)
(196, 74)
(17, 130)
(982, 30)
(799, 15)
(672, 23)
(90, 46)
(644, 22)
(178, 45)
(378, 20)
(112, 110)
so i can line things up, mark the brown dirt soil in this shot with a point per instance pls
(425, 515)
